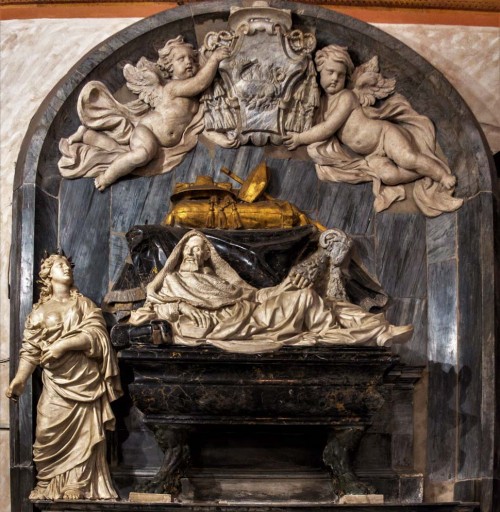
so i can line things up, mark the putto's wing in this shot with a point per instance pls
(369, 85)
(144, 81)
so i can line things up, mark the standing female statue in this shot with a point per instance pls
(66, 335)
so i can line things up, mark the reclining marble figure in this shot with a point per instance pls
(206, 301)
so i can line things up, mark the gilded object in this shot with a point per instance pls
(66, 335)
(205, 204)
(206, 301)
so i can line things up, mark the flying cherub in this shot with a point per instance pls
(168, 102)
(384, 142)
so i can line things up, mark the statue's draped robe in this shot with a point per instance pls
(244, 319)
(74, 408)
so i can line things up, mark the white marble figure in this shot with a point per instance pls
(206, 301)
(66, 335)
(390, 144)
(115, 139)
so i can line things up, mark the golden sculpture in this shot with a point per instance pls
(66, 335)
(206, 204)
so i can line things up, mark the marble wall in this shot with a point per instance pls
(36, 54)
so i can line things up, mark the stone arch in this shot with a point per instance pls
(424, 264)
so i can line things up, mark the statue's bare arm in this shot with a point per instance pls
(18, 383)
(80, 341)
(346, 103)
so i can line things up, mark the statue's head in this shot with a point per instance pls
(335, 66)
(194, 254)
(55, 269)
(336, 243)
(178, 58)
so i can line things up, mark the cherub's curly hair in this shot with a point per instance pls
(335, 53)
(165, 53)
(45, 281)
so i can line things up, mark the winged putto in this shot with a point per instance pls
(358, 140)
(149, 135)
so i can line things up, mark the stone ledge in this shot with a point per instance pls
(126, 506)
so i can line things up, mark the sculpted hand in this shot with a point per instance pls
(221, 53)
(448, 181)
(200, 318)
(299, 281)
(292, 141)
(294, 282)
(53, 353)
(15, 389)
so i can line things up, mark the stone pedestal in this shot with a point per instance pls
(276, 427)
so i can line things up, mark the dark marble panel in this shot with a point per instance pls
(442, 355)
(118, 252)
(46, 224)
(363, 251)
(490, 493)
(140, 201)
(411, 489)
(27, 163)
(442, 423)
(441, 237)
(459, 134)
(467, 490)
(214, 19)
(471, 337)
(241, 161)
(22, 482)
(410, 311)
(345, 206)
(197, 162)
(294, 181)
(374, 453)
(21, 293)
(442, 313)
(401, 254)
(490, 281)
(84, 235)
(402, 429)
(139, 451)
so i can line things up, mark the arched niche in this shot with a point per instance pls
(439, 272)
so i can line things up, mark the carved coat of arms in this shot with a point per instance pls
(268, 84)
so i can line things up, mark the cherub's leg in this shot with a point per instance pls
(99, 140)
(400, 147)
(389, 173)
(143, 148)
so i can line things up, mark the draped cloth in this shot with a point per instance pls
(336, 162)
(74, 410)
(246, 320)
(98, 110)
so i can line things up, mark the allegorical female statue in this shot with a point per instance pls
(66, 335)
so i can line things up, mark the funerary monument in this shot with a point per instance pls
(255, 228)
